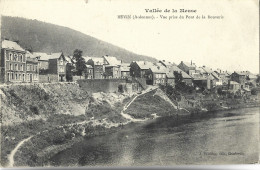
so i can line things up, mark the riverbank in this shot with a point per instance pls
(102, 115)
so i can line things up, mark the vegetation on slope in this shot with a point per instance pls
(45, 37)
(147, 104)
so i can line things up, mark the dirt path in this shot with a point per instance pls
(13, 152)
(127, 116)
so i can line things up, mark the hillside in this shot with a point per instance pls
(45, 37)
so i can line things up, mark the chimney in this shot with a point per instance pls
(163, 60)
(191, 62)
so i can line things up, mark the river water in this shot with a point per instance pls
(223, 137)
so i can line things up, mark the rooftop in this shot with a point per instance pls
(112, 61)
(45, 56)
(145, 65)
(11, 45)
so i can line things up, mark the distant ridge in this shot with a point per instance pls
(45, 37)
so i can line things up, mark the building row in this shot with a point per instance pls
(19, 65)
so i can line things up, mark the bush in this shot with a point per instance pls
(34, 109)
(254, 91)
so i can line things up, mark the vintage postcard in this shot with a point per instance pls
(129, 83)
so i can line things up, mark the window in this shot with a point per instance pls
(10, 56)
(11, 66)
(36, 69)
(15, 57)
(12, 76)
(8, 76)
(21, 57)
(19, 76)
(28, 77)
(23, 77)
(16, 77)
(21, 67)
(16, 67)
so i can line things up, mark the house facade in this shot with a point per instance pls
(156, 75)
(139, 68)
(187, 67)
(13, 62)
(89, 72)
(239, 77)
(233, 86)
(32, 68)
(125, 70)
(112, 67)
(98, 67)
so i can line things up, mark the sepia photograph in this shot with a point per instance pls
(129, 83)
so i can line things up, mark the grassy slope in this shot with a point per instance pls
(147, 104)
(45, 37)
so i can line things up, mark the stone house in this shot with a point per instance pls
(13, 62)
(156, 75)
(98, 66)
(125, 70)
(112, 67)
(221, 74)
(187, 67)
(43, 59)
(139, 68)
(239, 77)
(89, 72)
(185, 77)
(233, 86)
(32, 68)
(57, 65)
(218, 80)
(52, 66)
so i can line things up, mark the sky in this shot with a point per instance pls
(231, 43)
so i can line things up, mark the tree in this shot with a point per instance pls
(178, 77)
(80, 62)
(69, 73)
(258, 79)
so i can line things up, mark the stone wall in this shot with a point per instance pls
(48, 78)
(101, 85)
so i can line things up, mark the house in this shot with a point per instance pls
(98, 67)
(13, 62)
(170, 78)
(139, 68)
(89, 72)
(112, 67)
(218, 80)
(185, 77)
(43, 59)
(52, 66)
(187, 67)
(32, 69)
(221, 74)
(125, 70)
(251, 79)
(156, 75)
(57, 65)
(233, 86)
(239, 77)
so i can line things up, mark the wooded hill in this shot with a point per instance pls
(45, 37)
